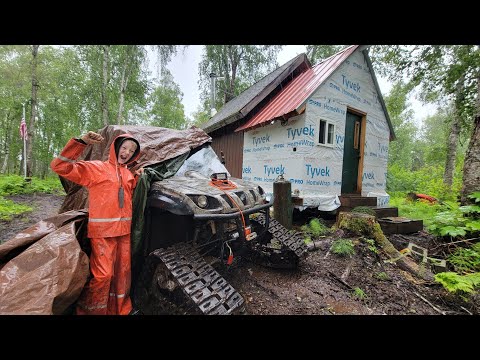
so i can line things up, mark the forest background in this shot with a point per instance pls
(67, 90)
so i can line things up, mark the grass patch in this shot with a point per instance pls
(359, 294)
(8, 209)
(315, 228)
(16, 185)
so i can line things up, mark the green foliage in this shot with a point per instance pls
(364, 210)
(454, 282)
(14, 185)
(401, 151)
(8, 209)
(315, 228)
(371, 245)
(383, 276)
(414, 210)
(475, 195)
(343, 247)
(466, 260)
(455, 221)
(427, 180)
(359, 294)
(317, 53)
(167, 110)
(240, 65)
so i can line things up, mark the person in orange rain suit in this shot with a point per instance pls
(110, 185)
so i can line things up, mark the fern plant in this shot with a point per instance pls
(315, 228)
(343, 247)
(466, 260)
(456, 283)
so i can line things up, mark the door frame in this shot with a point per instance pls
(363, 127)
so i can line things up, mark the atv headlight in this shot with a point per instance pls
(202, 201)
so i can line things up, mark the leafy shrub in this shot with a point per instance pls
(427, 180)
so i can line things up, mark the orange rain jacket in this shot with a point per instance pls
(103, 180)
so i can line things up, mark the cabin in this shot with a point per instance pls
(324, 127)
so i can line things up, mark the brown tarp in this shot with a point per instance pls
(156, 145)
(43, 269)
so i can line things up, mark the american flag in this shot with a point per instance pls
(23, 129)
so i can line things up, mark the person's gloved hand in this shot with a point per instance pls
(92, 138)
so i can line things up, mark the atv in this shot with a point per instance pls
(191, 222)
(197, 222)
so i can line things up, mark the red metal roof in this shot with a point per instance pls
(298, 90)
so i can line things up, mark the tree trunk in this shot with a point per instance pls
(6, 149)
(452, 140)
(33, 113)
(365, 225)
(123, 84)
(5, 160)
(104, 85)
(471, 167)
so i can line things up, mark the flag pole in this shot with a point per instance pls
(24, 147)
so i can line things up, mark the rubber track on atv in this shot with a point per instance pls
(199, 281)
(293, 241)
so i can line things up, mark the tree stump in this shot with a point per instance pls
(366, 225)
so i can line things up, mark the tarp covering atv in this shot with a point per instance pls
(156, 146)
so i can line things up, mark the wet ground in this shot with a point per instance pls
(323, 284)
(44, 206)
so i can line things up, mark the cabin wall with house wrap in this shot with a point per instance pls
(316, 170)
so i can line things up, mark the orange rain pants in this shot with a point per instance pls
(107, 292)
(108, 226)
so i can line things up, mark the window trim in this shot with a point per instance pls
(328, 123)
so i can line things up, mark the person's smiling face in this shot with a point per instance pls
(127, 149)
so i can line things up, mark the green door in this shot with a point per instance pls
(351, 153)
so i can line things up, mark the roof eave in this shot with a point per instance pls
(231, 119)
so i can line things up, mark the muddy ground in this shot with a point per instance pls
(324, 283)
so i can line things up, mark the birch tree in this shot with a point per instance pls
(240, 66)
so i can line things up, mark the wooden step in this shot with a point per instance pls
(353, 200)
(385, 211)
(400, 225)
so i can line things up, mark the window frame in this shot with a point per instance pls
(328, 123)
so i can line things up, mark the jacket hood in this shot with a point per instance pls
(115, 145)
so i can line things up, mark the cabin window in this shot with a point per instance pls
(326, 132)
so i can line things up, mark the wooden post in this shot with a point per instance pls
(282, 202)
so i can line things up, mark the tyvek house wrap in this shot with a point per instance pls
(315, 170)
